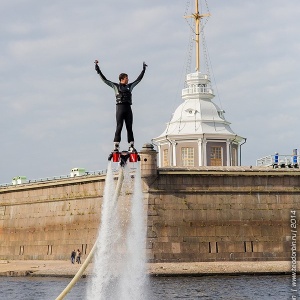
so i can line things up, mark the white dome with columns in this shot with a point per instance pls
(198, 133)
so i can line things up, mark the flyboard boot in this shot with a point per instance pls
(116, 146)
(131, 147)
(133, 154)
(115, 154)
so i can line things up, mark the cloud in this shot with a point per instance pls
(56, 114)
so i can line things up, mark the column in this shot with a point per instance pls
(204, 152)
(228, 153)
(200, 156)
(174, 153)
(160, 156)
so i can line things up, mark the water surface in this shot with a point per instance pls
(160, 288)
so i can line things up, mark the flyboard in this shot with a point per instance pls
(122, 158)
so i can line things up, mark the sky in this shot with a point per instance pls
(56, 114)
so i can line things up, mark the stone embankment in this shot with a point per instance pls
(56, 268)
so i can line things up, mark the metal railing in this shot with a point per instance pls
(283, 161)
(197, 90)
(31, 181)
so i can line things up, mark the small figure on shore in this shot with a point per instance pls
(78, 257)
(73, 255)
(123, 94)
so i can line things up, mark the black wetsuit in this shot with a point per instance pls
(124, 101)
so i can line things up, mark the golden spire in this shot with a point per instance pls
(197, 18)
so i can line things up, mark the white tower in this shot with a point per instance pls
(198, 133)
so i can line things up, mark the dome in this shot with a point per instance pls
(198, 116)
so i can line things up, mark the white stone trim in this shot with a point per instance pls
(228, 162)
(200, 156)
(204, 147)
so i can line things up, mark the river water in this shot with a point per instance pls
(160, 288)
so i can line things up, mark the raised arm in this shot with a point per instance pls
(140, 77)
(108, 82)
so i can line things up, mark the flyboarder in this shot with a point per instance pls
(123, 94)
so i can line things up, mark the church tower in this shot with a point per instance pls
(198, 133)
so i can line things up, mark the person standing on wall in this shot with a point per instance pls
(123, 92)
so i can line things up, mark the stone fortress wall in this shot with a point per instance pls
(198, 214)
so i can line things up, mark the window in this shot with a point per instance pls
(165, 158)
(234, 156)
(220, 113)
(187, 156)
(216, 156)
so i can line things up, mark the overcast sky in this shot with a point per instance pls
(56, 114)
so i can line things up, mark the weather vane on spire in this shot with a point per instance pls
(197, 17)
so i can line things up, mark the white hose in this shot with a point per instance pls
(91, 254)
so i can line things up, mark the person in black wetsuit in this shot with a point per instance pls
(123, 94)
